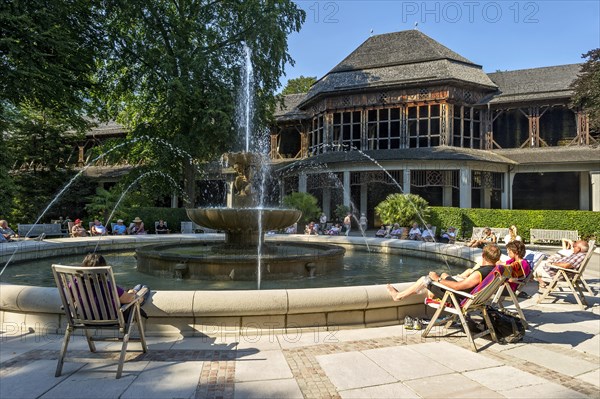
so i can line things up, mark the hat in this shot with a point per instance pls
(77, 221)
(137, 220)
(120, 221)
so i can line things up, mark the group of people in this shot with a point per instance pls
(520, 267)
(97, 229)
(488, 236)
(322, 227)
(415, 233)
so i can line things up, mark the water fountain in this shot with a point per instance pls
(244, 255)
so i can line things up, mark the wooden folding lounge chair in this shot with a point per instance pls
(506, 293)
(462, 304)
(571, 279)
(90, 300)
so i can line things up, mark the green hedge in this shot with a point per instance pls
(586, 222)
(173, 217)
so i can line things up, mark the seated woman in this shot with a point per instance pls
(335, 230)
(292, 229)
(161, 227)
(78, 230)
(487, 238)
(415, 232)
(491, 255)
(381, 232)
(396, 231)
(310, 229)
(427, 234)
(520, 267)
(449, 236)
(97, 228)
(137, 227)
(512, 235)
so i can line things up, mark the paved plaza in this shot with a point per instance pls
(559, 358)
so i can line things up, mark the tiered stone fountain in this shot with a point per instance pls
(244, 255)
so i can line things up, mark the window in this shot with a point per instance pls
(346, 131)
(315, 139)
(383, 128)
(424, 125)
(466, 132)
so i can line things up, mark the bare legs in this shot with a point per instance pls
(413, 289)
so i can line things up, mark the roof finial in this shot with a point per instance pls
(416, 26)
(371, 32)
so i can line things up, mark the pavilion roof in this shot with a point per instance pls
(551, 155)
(399, 59)
(526, 85)
(288, 109)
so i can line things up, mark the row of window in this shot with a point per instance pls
(410, 126)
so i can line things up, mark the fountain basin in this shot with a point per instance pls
(213, 261)
(243, 226)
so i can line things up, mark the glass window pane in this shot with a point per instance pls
(423, 142)
(467, 112)
(434, 110)
(372, 115)
(384, 114)
(395, 129)
(423, 111)
(356, 117)
(434, 126)
(383, 129)
(394, 144)
(435, 141)
(457, 111)
(395, 114)
(412, 112)
(337, 118)
(423, 129)
(412, 128)
(347, 116)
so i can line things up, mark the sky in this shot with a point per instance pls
(498, 35)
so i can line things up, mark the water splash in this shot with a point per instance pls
(245, 106)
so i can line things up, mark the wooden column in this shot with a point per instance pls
(80, 158)
(445, 128)
(533, 115)
(274, 153)
(583, 129)
(303, 145)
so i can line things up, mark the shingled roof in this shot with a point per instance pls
(533, 84)
(441, 153)
(289, 109)
(551, 155)
(399, 59)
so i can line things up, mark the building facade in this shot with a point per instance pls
(403, 113)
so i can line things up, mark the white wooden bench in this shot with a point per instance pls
(537, 236)
(500, 232)
(35, 230)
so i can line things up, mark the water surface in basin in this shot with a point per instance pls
(360, 268)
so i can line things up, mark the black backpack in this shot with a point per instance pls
(509, 329)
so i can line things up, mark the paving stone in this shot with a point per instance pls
(262, 365)
(503, 378)
(593, 377)
(353, 370)
(548, 390)
(33, 379)
(561, 363)
(454, 357)
(165, 380)
(406, 364)
(450, 386)
(392, 391)
(276, 389)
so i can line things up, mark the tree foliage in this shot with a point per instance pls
(587, 88)
(174, 68)
(305, 202)
(403, 209)
(299, 85)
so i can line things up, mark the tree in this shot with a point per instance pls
(47, 63)
(587, 88)
(403, 209)
(299, 85)
(304, 202)
(174, 67)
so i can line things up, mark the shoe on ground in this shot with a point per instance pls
(417, 324)
(408, 323)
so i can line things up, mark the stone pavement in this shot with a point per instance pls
(559, 358)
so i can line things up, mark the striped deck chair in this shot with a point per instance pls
(461, 304)
(90, 300)
(571, 279)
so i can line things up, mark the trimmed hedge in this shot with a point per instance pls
(586, 222)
